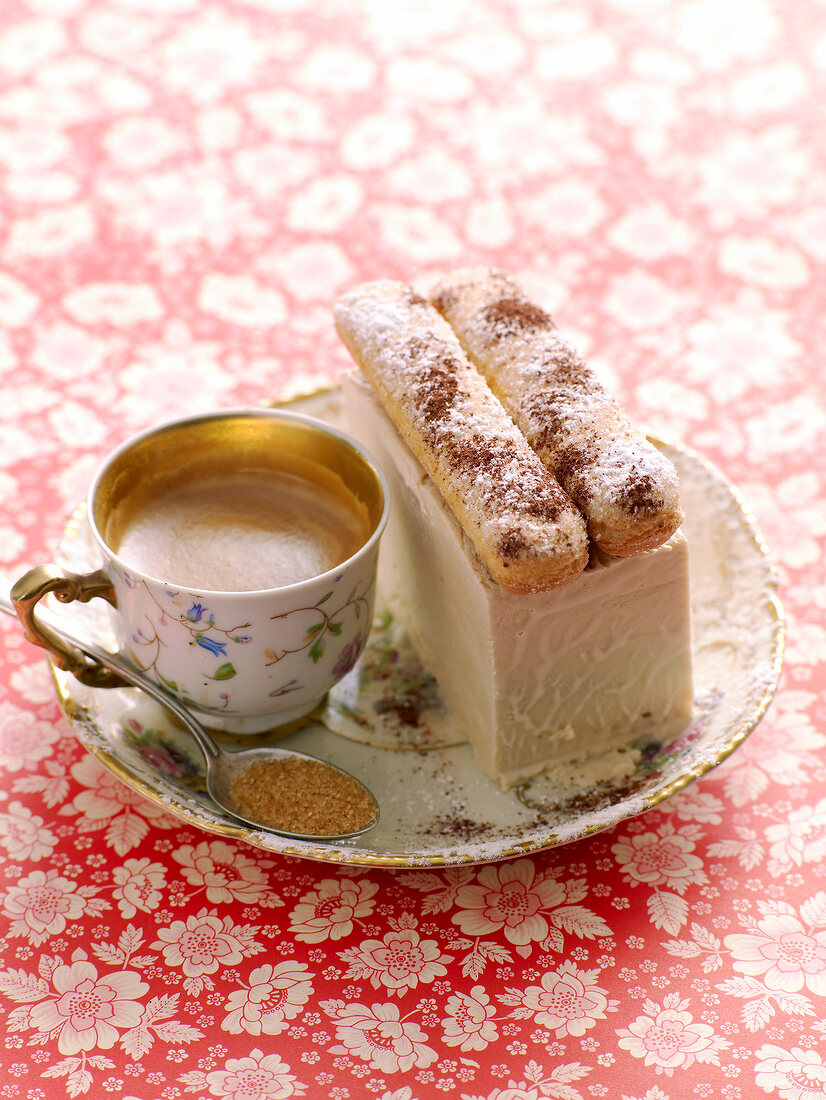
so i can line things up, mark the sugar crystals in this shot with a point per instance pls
(300, 795)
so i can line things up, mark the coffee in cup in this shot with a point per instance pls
(240, 529)
(239, 549)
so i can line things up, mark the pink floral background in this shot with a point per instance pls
(185, 185)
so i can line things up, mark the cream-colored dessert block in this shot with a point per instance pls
(536, 680)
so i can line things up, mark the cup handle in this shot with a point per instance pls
(33, 586)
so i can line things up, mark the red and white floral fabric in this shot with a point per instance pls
(185, 185)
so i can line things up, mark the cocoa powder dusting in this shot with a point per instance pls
(639, 494)
(543, 508)
(548, 500)
(570, 461)
(404, 711)
(552, 421)
(435, 402)
(562, 377)
(439, 384)
(306, 796)
(511, 544)
(572, 466)
(435, 396)
(476, 453)
(459, 827)
(512, 316)
(566, 371)
(444, 301)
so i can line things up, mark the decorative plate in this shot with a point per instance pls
(386, 724)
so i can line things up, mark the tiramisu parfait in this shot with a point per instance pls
(533, 550)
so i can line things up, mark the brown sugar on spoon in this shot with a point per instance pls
(627, 491)
(303, 796)
(521, 523)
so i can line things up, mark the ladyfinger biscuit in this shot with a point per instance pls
(627, 491)
(523, 526)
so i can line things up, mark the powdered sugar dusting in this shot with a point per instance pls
(524, 526)
(628, 493)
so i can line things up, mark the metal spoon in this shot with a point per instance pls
(222, 767)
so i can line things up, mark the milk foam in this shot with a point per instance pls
(243, 531)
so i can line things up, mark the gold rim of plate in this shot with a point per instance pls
(718, 731)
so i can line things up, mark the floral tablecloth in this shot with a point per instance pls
(185, 185)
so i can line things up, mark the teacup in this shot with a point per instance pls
(239, 551)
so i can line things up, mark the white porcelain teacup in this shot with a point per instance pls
(239, 551)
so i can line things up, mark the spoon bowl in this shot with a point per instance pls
(223, 768)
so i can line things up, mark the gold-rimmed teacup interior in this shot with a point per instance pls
(259, 647)
(218, 451)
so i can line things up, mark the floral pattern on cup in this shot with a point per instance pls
(317, 635)
(237, 648)
(147, 642)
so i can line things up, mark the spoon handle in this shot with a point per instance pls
(117, 664)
